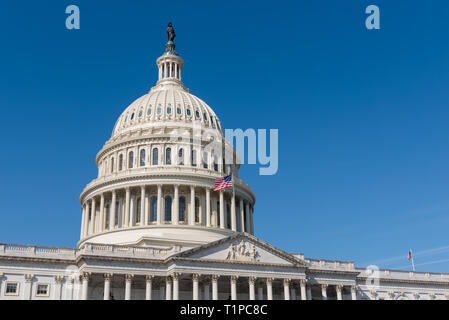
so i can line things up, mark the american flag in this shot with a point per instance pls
(223, 183)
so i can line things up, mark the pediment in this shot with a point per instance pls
(242, 248)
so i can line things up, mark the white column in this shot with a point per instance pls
(159, 204)
(175, 213)
(147, 210)
(208, 207)
(132, 211)
(112, 211)
(175, 277)
(269, 289)
(234, 287)
(242, 216)
(168, 294)
(94, 209)
(353, 293)
(248, 221)
(324, 291)
(259, 292)
(252, 291)
(222, 213)
(58, 287)
(107, 286)
(1, 281)
(339, 288)
(128, 281)
(302, 283)
(142, 206)
(83, 221)
(192, 206)
(215, 287)
(195, 286)
(85, 288)
(87, 223)
(148, 288)
(286, 289)
(101, 223)
(127, 196)
(233, 214)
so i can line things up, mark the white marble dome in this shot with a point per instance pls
(162, 106)
(156, 173)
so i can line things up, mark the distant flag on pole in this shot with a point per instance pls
(223, 183)
(410, 257)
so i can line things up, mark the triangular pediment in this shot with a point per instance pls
(243, 248)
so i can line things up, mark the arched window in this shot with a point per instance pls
(168, 202)
(130, 159)
(193, 158)
(197, 210)
(182, 209)
(205, 165)
(142, 157)
(155, 156)
(153, 215)
(181, 157)
(112, 164)
(168, 156)
(228, 216)
(120, 162)
(138, 211)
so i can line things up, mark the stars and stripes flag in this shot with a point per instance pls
(410, 257)
(223, 183)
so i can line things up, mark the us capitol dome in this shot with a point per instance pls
(156, 173)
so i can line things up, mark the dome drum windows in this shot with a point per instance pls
(181, 157)
(155, 156)
(120, 162)
(182, 209)
(168, 156)
(130, 160)
(142, 157)
(168, 209)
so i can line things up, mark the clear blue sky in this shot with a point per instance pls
(362, 115)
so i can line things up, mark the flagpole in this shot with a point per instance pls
(413, 259)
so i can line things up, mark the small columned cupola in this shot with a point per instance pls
(170, 64)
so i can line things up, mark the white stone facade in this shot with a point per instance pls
(153, 228)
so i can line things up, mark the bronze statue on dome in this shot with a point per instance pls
(171, 32)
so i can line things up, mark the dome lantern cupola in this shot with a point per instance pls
(170, 63)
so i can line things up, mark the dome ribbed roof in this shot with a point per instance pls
(164, 106)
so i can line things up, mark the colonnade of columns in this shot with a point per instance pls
(206, 287)
(190, 205)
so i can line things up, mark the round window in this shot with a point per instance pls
(178, 110)
(149, 111)
(132, 116)
(197, 114)
(188, 112)
(140, 114)
(169, 110)
(159, 110)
